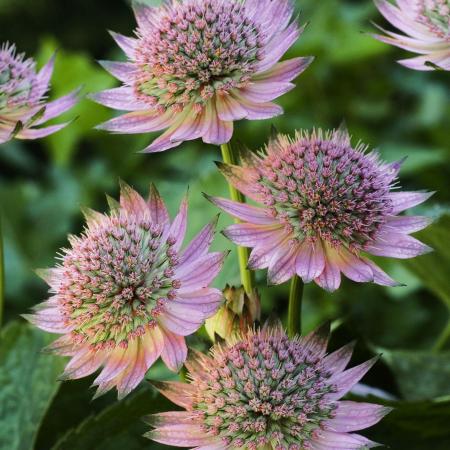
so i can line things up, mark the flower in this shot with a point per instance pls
(196, 66)
(326, 204)
(125, 294)
(427, 27)
(23, 105)
(239, 312)
(265, 391)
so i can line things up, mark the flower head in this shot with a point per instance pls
(265, 391)
(196, 66)
(326, 204)
(426, 24)
(239, 312)
(23, 105)
(125, 293)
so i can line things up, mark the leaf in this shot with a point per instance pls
(414, 426)
(28, 384)
(119, 426)
(432, 268)
(420, 375)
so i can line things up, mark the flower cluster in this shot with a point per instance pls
(126, 294)
(325, 205)
(265, 391)
(23, 105)
(196, 66)
(426, 24)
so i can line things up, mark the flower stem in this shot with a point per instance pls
(443, 338)
(243, 253)
(295, 307)
(2, 275)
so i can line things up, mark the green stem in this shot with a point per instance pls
(444, 337)
(2, 275)
(243, 253)
(295, 307)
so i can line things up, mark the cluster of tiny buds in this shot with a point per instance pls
(320, 187)
(116, 280)
(264, 389)
(435, 15)
(17, 76)
(196, 50)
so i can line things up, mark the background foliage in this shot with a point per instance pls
(44, 183)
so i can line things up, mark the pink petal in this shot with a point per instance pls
(242, 211)
(258, 111)
(316, 342)
(182, 394)
(131, 201)
(59, 106)
(440, 59)
(217, 131)
(397, 245)
(48, 319)
(310, 261)
(169, 418)
(181, 320)
(144, 16)
(330, 278)
(408, 224)
(353, 416)
(153, 344)
(200, 273)
(282, 264)
(192, 127)
(174, 353)
(229, 109)
(122, 98)
(116, 362)
(137, 122)
(261, 92)
(83, 364)
(206, 300)
(38, 133)
(199, 246)
(404, 200)
(329, 440)
(260, 257)
(353, 267)
(344, 381)
(250, 235)
(285, 71)
(180, 435)
(337, 361)
(43, 79)
(178, 228)
(121, 70)
(157, 207)
(63, 346)
(379, 276)
(125, 43)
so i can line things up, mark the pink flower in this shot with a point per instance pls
(23, 105)
(426, 24)
(326, 205)
(196, 66)
(265, 391)
(125, 293)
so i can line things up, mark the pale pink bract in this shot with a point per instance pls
(426, 24)
(23, 104)
(125, 293)
(326, 206)
(196, 66)
(263, 391)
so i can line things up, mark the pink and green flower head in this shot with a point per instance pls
(264, 391)
(326, 206)
(126, 294)
(196, 66)
(426, 24)
(23, 103)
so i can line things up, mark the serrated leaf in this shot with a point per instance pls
(28, 384)
(432, 268)
(119, 426)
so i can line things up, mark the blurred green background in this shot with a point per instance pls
(44, 183)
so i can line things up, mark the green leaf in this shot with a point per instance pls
(420, 375)
(432, 268)
(119, 426)
(414, 426)
(28, 384)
